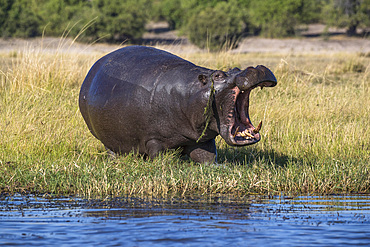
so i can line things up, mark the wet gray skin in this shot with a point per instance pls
(148, 100)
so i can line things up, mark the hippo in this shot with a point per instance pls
(147, 100)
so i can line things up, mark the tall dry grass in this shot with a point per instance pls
(315, 136)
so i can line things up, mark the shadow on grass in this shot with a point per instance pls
(253, 155)
(235, 156)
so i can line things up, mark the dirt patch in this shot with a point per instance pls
(311, 40)
(51, 44)
(304, 45)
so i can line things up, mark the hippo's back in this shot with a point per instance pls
(127, 65)
(117, 95)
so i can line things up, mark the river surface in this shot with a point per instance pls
(334, 220)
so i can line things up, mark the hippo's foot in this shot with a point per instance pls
(110, 152)
(204, 152)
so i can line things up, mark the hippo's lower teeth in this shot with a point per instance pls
(248, 134)
(245, 133)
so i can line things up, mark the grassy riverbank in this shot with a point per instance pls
(315, 134)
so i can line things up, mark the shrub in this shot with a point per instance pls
(216, 27)
(20, 19)
(280, 18)
(60, 15)
(170, 11)
(119, 21)
(350, 14)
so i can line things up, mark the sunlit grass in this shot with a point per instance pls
(315, 134)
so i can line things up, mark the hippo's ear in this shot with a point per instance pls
(234, 70)
(202, 79)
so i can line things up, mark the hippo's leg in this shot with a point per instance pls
(153, 147)
(204, 152)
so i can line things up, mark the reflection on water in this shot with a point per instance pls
(254, 220)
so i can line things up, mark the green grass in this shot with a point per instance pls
(315, 134)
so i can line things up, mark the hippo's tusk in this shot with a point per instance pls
(256, 130)
(236, 131)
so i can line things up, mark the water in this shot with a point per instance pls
(336, 220)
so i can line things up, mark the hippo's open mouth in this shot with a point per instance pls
(241, 130)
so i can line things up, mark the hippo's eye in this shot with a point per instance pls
(219, 76)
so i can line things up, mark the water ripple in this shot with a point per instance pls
(255, 220)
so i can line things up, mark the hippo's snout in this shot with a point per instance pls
(254, 77)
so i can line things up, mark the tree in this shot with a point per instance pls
(21, 19)
(119, 21)
(279, 18)
(59, 15)
(215, 27)
(170, 11)
(350, 14)
(5, 6)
